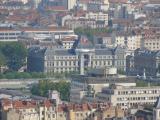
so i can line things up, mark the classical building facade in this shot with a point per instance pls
(82, 56)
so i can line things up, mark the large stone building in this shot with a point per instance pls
(146, 61)
(82, 56)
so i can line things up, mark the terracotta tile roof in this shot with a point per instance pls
(47, 103)
(5, 102)
(30, 29)
(80, 13)
(103, 34)
(18, 104)
(56, 8)
(68, 39)
(62, 108)
(118, 1)
(154, 1)
(85, 1)
(7, 30)
(18, 15)
(23, 104)
(122, 21)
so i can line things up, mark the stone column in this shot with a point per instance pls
(90, 59)
(82, 64)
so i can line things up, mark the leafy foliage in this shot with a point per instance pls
(44, 86)
(2, 60)
(143, 83)
(20, 75)
(13, 54)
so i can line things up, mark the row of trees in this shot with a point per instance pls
(21, 75)
(44, 86)
(143, 83)
(13, 55)
(62, 75)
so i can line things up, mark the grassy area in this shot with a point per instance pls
(142, 83)
(18, 75)
(25, 75)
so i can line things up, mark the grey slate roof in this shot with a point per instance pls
(105, 51)
(158, 103)
(59, 52)
(101, 80)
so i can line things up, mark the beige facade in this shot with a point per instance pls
(85, 88)
(29, 110)
(97, 16)
(127, 97)
(132, 42)
(112, 112)
(152, 43)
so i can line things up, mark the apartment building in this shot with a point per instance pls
(98, 6)
(101, 16)
(14, 5)
(84, 23)
(152, 43)
(128, 97)
(27, 110)
(129, 40)
(56, 33)
(9, 35)
(103, 39)
(46, 110)
(68, 43)
(110, 113)
(85, 19)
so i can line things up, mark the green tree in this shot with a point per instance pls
(2, 60)
(15, 54)
(44, 86)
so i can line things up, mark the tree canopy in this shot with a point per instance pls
(2, 60)
(13, 54)
(44, 86)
